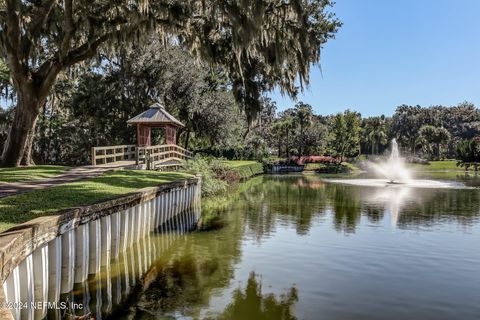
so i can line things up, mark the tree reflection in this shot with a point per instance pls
(195, 267)
(182, 279)
(297, 200)
(251, 304)
(346, 207)
(291, 199)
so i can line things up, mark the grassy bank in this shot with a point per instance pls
(445, 165)
(30, 173)
(23, 207)
(344, 167)
(218, 175)
(245, 169)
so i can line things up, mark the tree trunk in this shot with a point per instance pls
(27, 159)
(26, 113)
(187, 137)
(287, 151)
(50, 129)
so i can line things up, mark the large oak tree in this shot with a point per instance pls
(263, 43)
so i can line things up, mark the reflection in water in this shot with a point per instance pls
(299, 199)
(117, 283)
(183, 278)
(321, 250)
(393, 198)
(251, 304)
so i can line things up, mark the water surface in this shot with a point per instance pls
(297, 247)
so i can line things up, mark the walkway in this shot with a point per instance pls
(74, 174)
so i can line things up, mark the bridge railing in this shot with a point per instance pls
(155, 155)
(149, 156)
(110, 154)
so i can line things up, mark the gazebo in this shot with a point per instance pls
(155, 117)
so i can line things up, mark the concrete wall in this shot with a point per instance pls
(45, 258)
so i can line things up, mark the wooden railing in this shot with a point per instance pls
(150, 156)
(110, 154)
(156, 155)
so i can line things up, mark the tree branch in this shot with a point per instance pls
(12, 39)
(34, 28)
(68, 28)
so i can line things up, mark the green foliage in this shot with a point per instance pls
(218, 175)
(344, 167)
(29, 173)
(90, 110)
(432, 138)
(461, 122)
(345, 135)
(250, 41)
(23, 207)
(210, 169)
(374, 136)
(469, 150)
(297, 131)
(6, 118)
(5, 85)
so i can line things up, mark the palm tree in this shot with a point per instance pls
(375, 133)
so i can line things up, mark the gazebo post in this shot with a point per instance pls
(170, 135)
(143, 135)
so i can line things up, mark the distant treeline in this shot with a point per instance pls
(90, 106)
(434, 132)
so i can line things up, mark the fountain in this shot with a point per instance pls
(393, 169)
(394, 173)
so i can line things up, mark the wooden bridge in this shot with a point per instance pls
(159, 157)
(143, 155)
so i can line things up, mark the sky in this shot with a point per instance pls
(389, 53)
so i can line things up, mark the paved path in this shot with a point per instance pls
(74, 174)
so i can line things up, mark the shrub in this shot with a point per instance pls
(343, 167)
(469, 150)
(208, 169)
(218, 174)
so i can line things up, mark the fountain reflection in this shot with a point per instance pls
(394, 199)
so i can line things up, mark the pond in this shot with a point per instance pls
(299, 247)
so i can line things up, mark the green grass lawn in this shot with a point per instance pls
(23, 207)
(239, 163)
(29, 173)
(446, 165)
